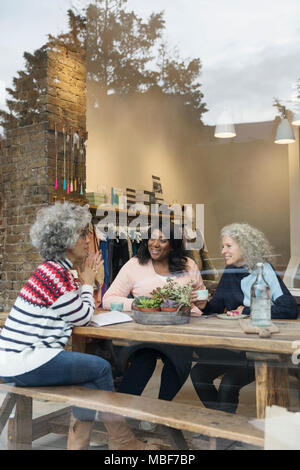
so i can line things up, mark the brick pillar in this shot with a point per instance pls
(28, 165)
(2, 277)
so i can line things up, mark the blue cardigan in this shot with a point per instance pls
(234, 289)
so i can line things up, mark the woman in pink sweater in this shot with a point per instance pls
(160, 256)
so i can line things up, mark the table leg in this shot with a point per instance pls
(272, 383)
(212, 443)
(79, 343)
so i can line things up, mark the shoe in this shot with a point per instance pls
(79, 434)
(120, 436)
(200, 442)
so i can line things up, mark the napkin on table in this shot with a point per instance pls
(262, 331)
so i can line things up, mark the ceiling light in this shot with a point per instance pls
(284, 133)
(296, 119)
(225, 127)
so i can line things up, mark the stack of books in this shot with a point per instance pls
(95, 199)
(131, 199)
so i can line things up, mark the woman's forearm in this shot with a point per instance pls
(108, 299)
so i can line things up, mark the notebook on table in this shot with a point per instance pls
(110, 318)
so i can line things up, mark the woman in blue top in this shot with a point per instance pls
(242, 247)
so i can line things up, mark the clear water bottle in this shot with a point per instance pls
(260, 307)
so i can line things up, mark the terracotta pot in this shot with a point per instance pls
(155, 309)
(184, 311)
(168, 309)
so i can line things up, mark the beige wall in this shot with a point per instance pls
(241, 180)
(249, 183)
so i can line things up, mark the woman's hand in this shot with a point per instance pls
(90, 267)
(201, 304)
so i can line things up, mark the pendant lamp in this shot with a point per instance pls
(296, 119)
(284, 133)
(225, 127)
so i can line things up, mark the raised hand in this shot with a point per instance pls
(90, 267)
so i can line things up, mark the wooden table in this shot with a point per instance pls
(272, 356)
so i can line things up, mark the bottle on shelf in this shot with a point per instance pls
(260, 307)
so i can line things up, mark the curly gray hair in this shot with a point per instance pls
(252, 242)
(57, 228)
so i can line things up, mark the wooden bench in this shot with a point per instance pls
(174, 416)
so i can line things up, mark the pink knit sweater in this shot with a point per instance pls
(140, 279)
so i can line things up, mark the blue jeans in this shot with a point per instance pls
(69, 368)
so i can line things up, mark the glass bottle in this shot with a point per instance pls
(260, 307)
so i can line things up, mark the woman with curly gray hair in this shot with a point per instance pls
(57, 229)
(254, 246)
(242, 247)
(47, 308)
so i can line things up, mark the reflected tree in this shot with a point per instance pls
(124, 55)
(27, 95)
(279, 106)
(127, 55)
(27, 103)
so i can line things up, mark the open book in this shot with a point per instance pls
(110, 318)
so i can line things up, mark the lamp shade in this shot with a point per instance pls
(225, 127)
(296, 119)
(284, 134)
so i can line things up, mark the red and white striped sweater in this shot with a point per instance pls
(40, 323)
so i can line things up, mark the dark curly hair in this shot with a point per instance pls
(177, 256)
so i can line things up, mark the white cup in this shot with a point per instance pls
(202, 294)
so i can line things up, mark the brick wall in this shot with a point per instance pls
(1, 225)
(28, 166)
(66, 108)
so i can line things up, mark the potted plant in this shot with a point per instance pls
(169, 305)
(136, 303)
(172, 299)
(173, 296)
(184, 297)
(147, 304)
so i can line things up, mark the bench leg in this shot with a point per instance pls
(212, 443)
(20, 427)
(176, 438)
(6, 409)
